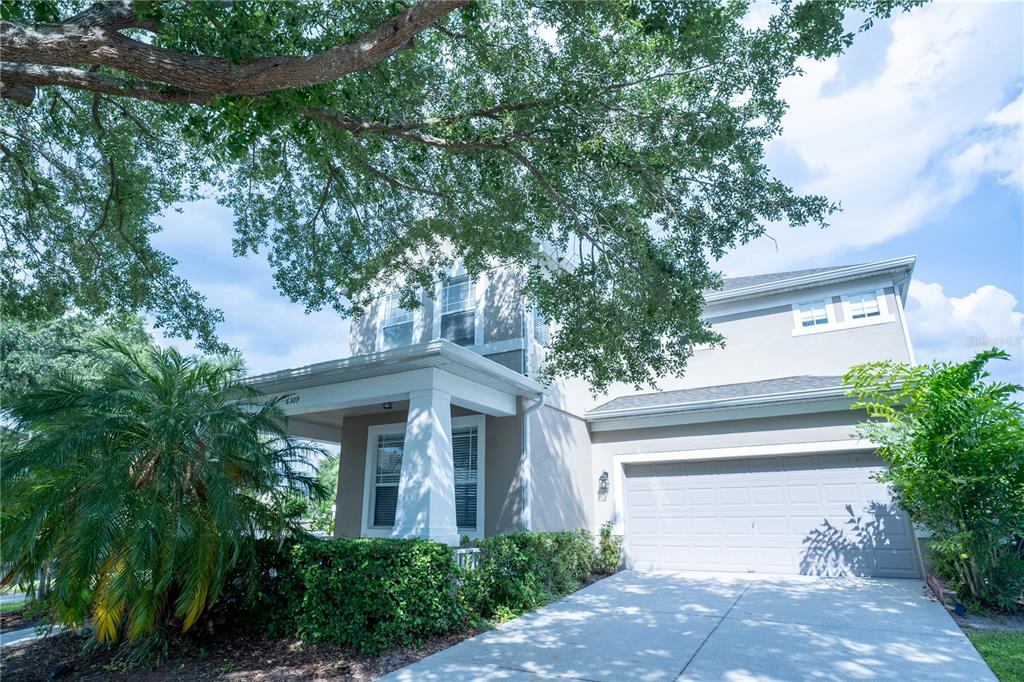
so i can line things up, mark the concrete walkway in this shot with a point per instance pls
(696, 626)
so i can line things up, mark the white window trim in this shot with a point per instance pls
(478, 305)
(880, 297)
(884, 317)
(477, 420)
(382, 322)
(798, 323)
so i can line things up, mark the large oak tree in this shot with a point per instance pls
(367, 145)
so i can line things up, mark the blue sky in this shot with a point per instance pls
(918, 131)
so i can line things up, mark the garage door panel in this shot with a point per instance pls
(816, 514)
(808, 493)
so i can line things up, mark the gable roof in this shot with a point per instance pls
(723, 392)
(730, 283)
(734, 288)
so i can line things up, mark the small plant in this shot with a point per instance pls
(609, 550)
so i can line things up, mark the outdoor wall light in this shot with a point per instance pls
(387, 405)
(602, 486)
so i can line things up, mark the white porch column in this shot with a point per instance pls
(426, 489)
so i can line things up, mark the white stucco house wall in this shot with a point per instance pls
(748, 463)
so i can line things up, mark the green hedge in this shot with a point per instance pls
(522, 571)
(375, 594)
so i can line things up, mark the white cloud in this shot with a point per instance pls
(999, 149)
(271, 332)
(906, 143)
(954, 328)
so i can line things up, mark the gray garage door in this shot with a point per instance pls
(807, 514)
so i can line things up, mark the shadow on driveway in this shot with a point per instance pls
(696, 626)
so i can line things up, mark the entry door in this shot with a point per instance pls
(817, 514)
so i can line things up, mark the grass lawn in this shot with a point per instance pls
(1003, 650)
(7, 607)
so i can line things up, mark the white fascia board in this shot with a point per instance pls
(355, 393)
(723, 409)
(394, 387)
(379, 367)
(903, 265)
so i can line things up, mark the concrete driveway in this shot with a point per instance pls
(699, 626)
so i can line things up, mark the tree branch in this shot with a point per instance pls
(97, 44)
(15, 78)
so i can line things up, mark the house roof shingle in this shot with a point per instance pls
(731, 283)
(720, 392)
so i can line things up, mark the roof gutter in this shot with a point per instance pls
(836, 392)
(905, 263)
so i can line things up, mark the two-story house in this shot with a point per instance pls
(747, 463)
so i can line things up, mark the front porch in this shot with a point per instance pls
(431, 439)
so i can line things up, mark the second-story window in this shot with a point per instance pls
(863, 305)
(813, 313)
(397, 327)
(458, 315)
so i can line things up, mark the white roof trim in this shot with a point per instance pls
(438, 353)
(905, 263)
(715, 404)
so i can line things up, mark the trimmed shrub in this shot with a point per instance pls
(522, 571)
(265, 598)
(376, 594)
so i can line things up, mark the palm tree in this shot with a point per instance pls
(143, 488)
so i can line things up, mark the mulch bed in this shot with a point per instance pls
(16, 620)
(229, 656)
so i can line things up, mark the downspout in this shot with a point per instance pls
(525, 462)
(524, 458)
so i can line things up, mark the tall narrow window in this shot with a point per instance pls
(813, 313)
(465, 449)
(863, 305)
(397, 327)
(458, 317)
(541, 331)
(388, 472)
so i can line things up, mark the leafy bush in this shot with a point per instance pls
(522, 571)
(264, 596)
(955, 447)
(609, 549)
(375, 594)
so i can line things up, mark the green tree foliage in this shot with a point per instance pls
(31, 352)
(955, 447)
(321, 511)
(144, 487)
(368, 145)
